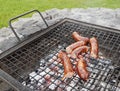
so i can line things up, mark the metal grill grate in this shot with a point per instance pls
(35, 65)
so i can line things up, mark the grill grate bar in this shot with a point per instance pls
(32, 63)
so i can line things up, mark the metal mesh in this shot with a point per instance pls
(35, 65)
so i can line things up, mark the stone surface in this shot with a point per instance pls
(27, 26)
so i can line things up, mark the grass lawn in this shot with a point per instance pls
(11, 8)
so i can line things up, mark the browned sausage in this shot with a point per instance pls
(77, 37)
(71, 47)
(76, 52)
(68, 68)
(93, 47)
(81, 69)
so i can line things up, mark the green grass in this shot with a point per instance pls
(11, 8)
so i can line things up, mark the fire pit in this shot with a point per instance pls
(34, 66)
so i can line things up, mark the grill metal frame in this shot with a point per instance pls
(39, 34)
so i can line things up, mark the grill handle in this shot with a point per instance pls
(10, 21)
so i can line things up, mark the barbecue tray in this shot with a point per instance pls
(26, 65)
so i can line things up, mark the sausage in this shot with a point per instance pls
(81, 69)
(93, 47)
(77, 37)
(71, 47)
(68, 68)
(76, 52)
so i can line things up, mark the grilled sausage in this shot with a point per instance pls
(71, 47)
(81, 69)
(77, 37)
(68, 68)
(76, 52)
(93, 47)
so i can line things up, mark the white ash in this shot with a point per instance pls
(72, 84)
(103, 84)
(52, 86)
(118, 89)
(32, 74)
(38, 77)
(84, 89)
(48, 70)
(68, 88)
(42, 73)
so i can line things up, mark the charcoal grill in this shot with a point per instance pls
(31, 64)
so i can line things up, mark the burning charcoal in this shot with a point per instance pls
(51, 60)
(24, 83)
(89, 69)
(39, 84)
(96, 82)
(103, 84)
(42, 73)
(97, 88)
(52, 87)
(113, 81)
(87, 60)
(90, 65)
(55, 63)
(88, 85)
(67, 81)
(42, 64)
(108, 86)
(59, 46)
(84, 89)
(113, 88)
(47, 79)
(102, 72)
(94, 75)
(37, 77)
(52, 73)
(102, 89)
(59, 60)
(54, 69)
(117, 89)
(73, 90)
(58, 89)
(49, 56)
(111, 67)
(92, 87)
(51, 66)
(39, 70)
(40, 88)
(54, 58)
(42, 80)
(91, 81)
(57, 82)
(78, 87)
(68, 88)
(96, 71)
(32, 74)
(31, 87)
(72, 84)
(47, 70)
(76, 79)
